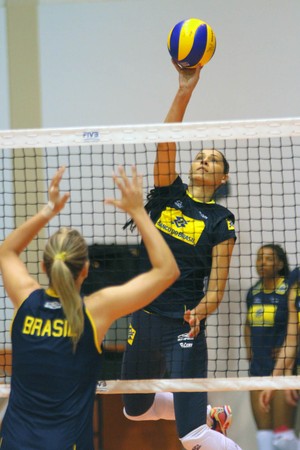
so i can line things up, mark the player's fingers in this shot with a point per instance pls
(292, 397)
(194, 331)
(134, 176)
(134, 172)
(187, 315)
(123, 176)
(137, 179)
(264, 401)
(118, 182)
(113, 202)
(140, 182)
(57, 177)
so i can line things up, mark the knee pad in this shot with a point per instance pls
(161, 408)
(148, 415)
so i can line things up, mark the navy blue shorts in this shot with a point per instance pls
(159, 347)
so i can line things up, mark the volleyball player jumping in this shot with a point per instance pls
(56, 335)
(168, 336)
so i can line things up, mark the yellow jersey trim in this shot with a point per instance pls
(280, 288)
(51, 292)
(97, 344)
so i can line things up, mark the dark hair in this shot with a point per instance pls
(224, 189)
(225, 162)
(282, 256)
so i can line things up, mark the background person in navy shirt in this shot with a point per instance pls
(265, 332)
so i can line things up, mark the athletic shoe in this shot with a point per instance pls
(222, 417)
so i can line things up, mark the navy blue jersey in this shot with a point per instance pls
(52, 388)
(191, 229)
(295, 278)
(267, 318)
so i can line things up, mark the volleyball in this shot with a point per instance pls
(191, 43)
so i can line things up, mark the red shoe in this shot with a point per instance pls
(222, 417)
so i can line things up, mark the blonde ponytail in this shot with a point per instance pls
(64, 257)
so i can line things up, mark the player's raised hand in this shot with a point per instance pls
(57, 200)
(131, 191)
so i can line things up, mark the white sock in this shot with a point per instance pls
(285, 440)
(264, 439)
(206, 439)
(162, 408)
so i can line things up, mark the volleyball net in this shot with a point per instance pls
(264, 188)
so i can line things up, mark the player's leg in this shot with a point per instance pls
(162, 407)
(142, 360)
(263, 420)
(283, 416)
(187, 358)
(190, 408)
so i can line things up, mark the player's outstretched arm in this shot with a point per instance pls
(118, 301)
(17, 281)
(165, 163)
(215, 289)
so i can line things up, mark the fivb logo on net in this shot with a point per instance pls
(91, 136)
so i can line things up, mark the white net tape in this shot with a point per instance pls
(248, 129)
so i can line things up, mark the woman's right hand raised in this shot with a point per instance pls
(57, 200)
(188, 78)
(131, 200)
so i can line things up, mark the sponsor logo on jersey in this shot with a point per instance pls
(52, 305)
(131, 335)
(185, 341)
(179, 204)
(230, 224)
(174, 223)
(282, 288)
(262, 315)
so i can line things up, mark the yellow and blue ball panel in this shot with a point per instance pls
(191, 43)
